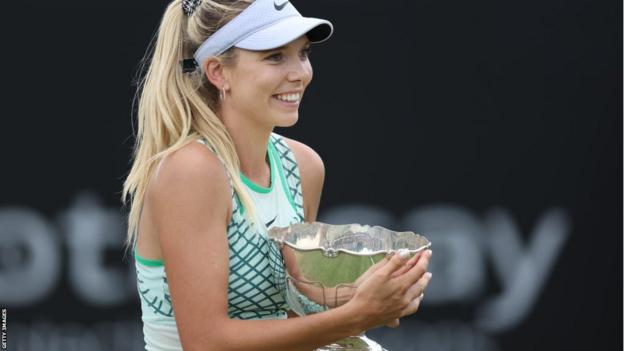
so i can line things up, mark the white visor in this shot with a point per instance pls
(263, 25)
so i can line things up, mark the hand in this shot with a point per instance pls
(395, 323)
(409, 264)
(345, 294)
(392, 291)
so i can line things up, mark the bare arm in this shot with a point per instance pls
(190, 199)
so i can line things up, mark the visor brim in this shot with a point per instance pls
(283, 32)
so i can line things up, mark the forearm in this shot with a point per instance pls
(305, 333)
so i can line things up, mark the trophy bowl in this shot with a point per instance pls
(324, 265)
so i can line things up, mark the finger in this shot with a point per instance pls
(411, 276)
(409, 264)
(416, 257)
(413, 306)
(419, 287)
(394, 324)
(396, 262)
(378, 265)
(371, 270)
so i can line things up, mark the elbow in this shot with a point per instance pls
(205, 345)
(215, 339)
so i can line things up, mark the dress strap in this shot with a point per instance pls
(289, 173)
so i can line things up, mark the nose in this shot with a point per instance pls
(300, 70)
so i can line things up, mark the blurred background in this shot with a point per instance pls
(492, 127)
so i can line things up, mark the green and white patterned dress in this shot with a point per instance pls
(256, 277)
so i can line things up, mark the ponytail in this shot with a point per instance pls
(176, 108)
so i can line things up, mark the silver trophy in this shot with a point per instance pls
(325, 264)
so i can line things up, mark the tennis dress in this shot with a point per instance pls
(256, 276)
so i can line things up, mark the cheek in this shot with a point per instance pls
(265, 82)
(309, 73)
(253, 88)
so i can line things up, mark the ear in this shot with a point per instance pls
(215, 72)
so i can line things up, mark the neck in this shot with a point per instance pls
(250, 140)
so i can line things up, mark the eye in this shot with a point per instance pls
(305, 52)
(275, 57)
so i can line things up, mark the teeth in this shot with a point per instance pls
(289, 97)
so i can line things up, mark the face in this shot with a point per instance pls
(267, 86)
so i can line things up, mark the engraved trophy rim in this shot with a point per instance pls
(350, 252)
(332, 252)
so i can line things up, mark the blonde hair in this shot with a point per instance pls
(176, 108)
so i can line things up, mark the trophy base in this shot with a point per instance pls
(353, 343)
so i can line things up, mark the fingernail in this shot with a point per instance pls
(428, 275)
(429, 253)
(403, 253)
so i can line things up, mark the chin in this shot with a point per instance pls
(287, 121)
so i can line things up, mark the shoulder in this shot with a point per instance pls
(189, 177)
(309, 162)
(193, 162)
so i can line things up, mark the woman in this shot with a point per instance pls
(209, 177)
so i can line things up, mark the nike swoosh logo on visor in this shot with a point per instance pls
(280, 7)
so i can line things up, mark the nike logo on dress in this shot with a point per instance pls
(271, 221)
(280, 7)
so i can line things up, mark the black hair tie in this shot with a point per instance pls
(189, 65)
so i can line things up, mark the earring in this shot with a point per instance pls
(222, 94)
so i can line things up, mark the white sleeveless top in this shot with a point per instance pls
(250, 296)
(272, 205)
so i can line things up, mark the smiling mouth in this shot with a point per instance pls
(290, 98)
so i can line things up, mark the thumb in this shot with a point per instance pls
(397, 261)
